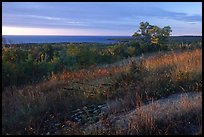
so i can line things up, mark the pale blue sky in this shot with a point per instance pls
(99, 18)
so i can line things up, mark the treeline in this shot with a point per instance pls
(22, 64)
(29, 63)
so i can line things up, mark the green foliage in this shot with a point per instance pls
(152, 34)
(48, 52)
(27, 63)
(131, 51)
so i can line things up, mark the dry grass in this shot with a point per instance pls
(60, 93)
(171, 117)
(182, 61)
(178, 66)
(174, 72)
(155, 77)
(179, 114)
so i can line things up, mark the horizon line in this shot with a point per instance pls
(92, 35)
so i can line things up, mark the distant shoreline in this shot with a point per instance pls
(171, 37)
(60, 39)
(17, 39)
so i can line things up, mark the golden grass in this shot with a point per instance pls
(21, 105)
(185, 61)
(179, 66)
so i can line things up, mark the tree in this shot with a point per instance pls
(152, 34)
(166, 31)
(131, 51)
(49, 52)
(73, 50)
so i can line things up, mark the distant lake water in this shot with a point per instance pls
(14, 39)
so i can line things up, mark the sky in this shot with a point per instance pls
(99, 18)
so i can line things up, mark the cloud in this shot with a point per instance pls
(192, 22)
(109, 16)
(44, 17)
(161, 13)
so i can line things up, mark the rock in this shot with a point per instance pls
(159, 110)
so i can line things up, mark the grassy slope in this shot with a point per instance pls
(131, 83)
(179, 113)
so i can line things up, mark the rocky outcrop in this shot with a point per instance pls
(164, 110)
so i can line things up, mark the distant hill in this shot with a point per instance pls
(172, 39)
(186, 38)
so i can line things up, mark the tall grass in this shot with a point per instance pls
(177, 115)
(174, 72)
(131, 85)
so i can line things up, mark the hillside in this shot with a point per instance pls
(70, 101)
(175, 114)
(101, 68)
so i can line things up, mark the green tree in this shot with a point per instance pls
(131, 51)
(152, 34)
(73, 50)
(48, 52)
